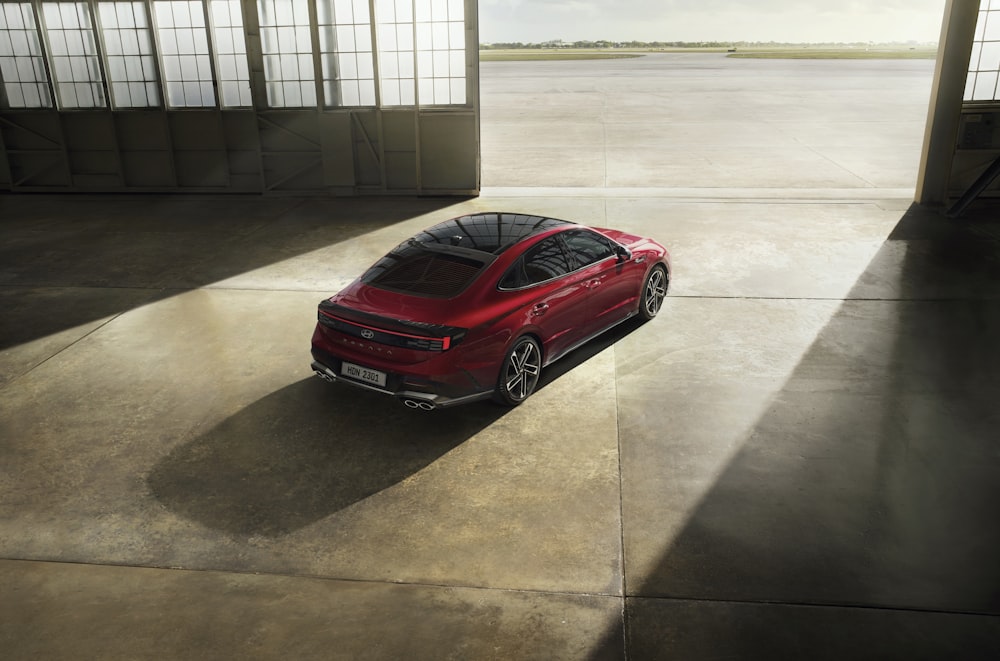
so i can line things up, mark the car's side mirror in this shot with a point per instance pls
(624, 254)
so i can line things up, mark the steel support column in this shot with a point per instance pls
(954, 52)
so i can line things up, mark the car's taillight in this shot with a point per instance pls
(449, 337)
(436, 343)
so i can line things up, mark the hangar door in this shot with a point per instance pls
(273, 96)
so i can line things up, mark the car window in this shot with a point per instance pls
(414, 269)
(542, 262)
(587, 247)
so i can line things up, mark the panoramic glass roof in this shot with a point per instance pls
(487, 232)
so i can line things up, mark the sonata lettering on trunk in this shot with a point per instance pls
(368, 347)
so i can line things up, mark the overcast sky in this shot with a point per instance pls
(533, 21)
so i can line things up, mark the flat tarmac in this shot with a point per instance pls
(704, 122)
(796, 459)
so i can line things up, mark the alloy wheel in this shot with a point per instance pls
(654, 292)
(521, 370)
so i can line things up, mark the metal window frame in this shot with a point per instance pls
(213, 49)
(158, 50)
(98, 47)
(102, 46)
(40, 34)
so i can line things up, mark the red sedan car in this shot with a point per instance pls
(477, 306)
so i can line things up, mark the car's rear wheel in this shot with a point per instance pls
(653, 292)
(520, 371)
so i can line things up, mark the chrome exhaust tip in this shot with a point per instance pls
(323, 375)
(415, 404)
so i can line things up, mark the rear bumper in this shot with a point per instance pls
(327, 367)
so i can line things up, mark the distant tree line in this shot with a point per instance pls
(517, 45)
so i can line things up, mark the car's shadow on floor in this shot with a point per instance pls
(303, 453)
(584, 353)
(312, 449)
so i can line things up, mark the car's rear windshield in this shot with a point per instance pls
(413, 268)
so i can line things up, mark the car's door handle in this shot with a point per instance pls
(540, 309)
(594, 283)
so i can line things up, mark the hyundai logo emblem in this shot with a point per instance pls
(367, 334)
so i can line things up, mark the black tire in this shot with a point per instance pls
(519, 372)
(654, 290)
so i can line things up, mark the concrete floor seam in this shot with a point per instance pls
(819, 606)
(69, 346)
(318, 577)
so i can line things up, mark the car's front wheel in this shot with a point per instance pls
(654, 290)
(520, 371)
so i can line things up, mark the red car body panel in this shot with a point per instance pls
(436, 351)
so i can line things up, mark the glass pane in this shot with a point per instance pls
(133, 69)
(305, 67)
(137, 91)
(390, 66)
(406, 64)
(57, 43)
(390, 92)
(19, 43)
(230, 94)
(442, 86)
(336, 11)
(293, 94)
(363, 37)
(345, 41)
(189, 67)
(404, 11)
(456, 35)
(441, 68)
(220, 13)
(458, 91)
(366, 66)
(990, 56)
(182, 15)
(407, 95)
(423, 11)
(440, 39)
(15, 97)
(426, 90)
(308, 94)
(385, 10)
(168, 42)
(185, 42)
(986, 84)
(367, 90)
(347, 66)
(13, 16)
(992, 32)
(404, 36)
(175, 94)
(227, 67)
(116, 68)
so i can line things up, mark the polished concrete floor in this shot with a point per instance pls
(798, 458)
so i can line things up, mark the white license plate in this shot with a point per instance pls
(365, 374)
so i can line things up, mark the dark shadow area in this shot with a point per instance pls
(312, 448)
(66, 260)
(869, 482)
(303, 453)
